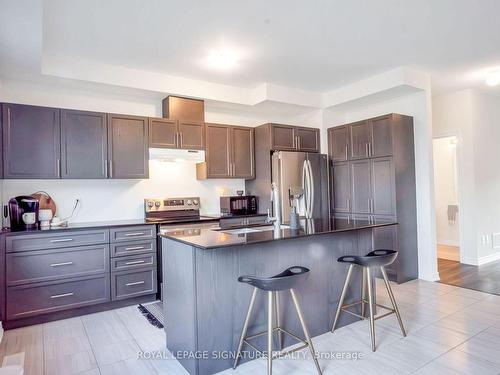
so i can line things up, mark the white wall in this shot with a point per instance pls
(445, 190)
(474, 117)
(417, 105)
(123, 199)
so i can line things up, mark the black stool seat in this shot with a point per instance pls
(285, 280)
(376, 258)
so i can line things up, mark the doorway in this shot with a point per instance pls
(446, 203)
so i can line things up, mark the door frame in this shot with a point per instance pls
(466, 254)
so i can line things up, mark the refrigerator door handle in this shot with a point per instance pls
(311, 192)
(305, 187)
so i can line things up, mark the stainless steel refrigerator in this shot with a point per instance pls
(306, 173)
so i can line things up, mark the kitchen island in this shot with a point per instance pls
(205, 305)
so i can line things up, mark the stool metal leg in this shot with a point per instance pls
(371, 306)
(363, 291)
(278, 320)
(245, 327)
(306, 331)
(270, 333)
(393, 300)
(342, 297)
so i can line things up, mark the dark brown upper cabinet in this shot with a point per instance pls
(185, 109)
(294, 138)
(307, 139)
(242, 146)
(168, 133)
(360, 137)
(163, 133)
(128, 151)
(338, 143)
(381, 143)
(229, 153)
(361, 140)
(31, 141)
(191, 135)
(83, 144)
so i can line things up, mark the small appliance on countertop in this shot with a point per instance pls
(239, 205)
(23, 213)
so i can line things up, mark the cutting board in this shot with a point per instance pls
(46, 201)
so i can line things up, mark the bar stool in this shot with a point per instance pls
(284, 281)
(376, 258)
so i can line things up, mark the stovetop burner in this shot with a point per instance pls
(174, 210)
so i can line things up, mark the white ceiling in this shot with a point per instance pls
(309, 45)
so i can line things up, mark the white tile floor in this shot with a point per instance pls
(450, 331)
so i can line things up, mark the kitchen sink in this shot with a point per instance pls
(249, 229)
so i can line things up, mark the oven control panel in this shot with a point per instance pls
(171, 204)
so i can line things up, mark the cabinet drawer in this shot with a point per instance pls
(132, 233)
(41, 298)
(128, 284)
(132, 248)
(45, 265)
(39, 241)
(133, 262)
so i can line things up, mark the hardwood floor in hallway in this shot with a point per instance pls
(484, 278)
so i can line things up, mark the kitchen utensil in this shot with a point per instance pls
(45, 201)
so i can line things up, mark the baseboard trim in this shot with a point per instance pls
(429, 277)
(488, 258)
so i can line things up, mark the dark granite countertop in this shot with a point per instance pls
(211, 238)
(109, 223)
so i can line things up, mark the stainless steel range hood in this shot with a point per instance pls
(176, 155)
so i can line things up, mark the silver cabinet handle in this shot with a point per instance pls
(134, 248)
(348, 204)
(135, 234)
(298, 143)
(369, 149)
(61, 264)
(61, 240)
(136, 283)
(110, 168)
(346, 157)
(180, 139)
(62, 295)
(58, 167)
(366, 149)
(105, 167)
(135, 262)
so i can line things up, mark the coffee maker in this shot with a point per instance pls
(23, 213)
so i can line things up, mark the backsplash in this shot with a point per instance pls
(123, 199)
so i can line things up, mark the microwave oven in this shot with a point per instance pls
(238, 205)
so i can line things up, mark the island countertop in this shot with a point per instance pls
(204, 237)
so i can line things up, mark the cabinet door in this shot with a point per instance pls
(338, 139)
(31, 141)
(242, 148)
(360, 137)
(360, 186)
(307, 139)
(383, 187)
(283, 137)
(191, 135)
(83, 144)
(341, 188)
(162, 133)
(128, 151)
(382, 136)
(218, 153)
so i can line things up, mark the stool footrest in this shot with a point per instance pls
(280, 354)
(345, 307)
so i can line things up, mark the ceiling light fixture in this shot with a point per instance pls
(222, 59)
(493, 78)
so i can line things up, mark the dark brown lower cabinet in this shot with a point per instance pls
(229, 153)
(53, 271)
